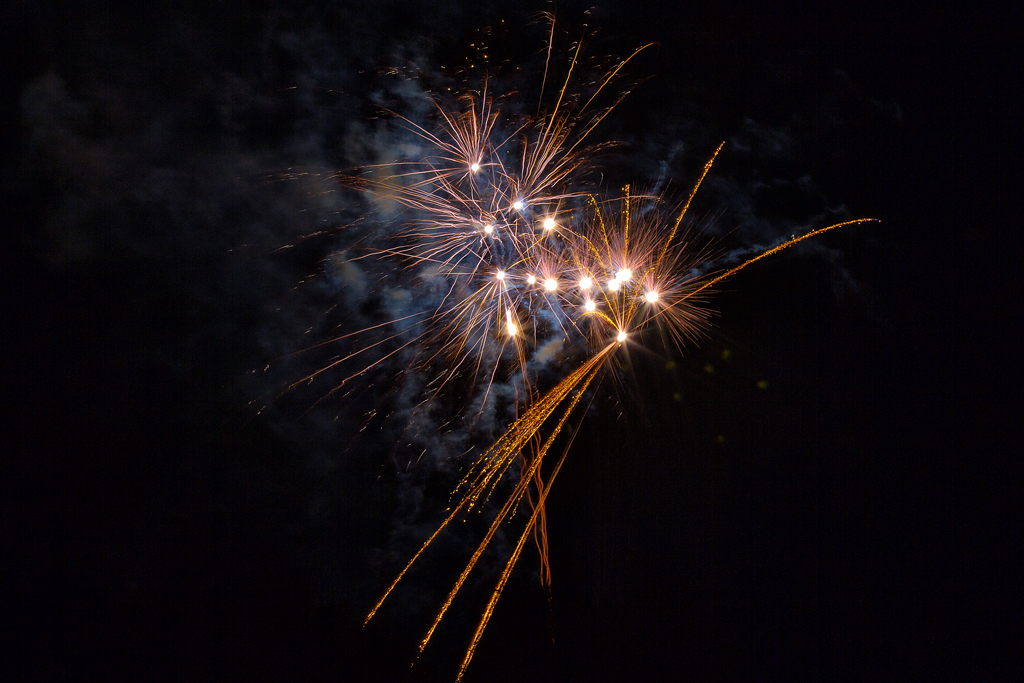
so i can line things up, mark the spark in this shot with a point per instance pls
(517, 205)
(586, 283)
(531, 279)
(621, 337)
(613, 285)
(589, 306)
(550, 284)
(500, 275)
(549, 223)
(651, 296)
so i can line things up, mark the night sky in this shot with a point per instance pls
(822, 488)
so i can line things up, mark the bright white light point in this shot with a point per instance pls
(517, 205)
(613, 285)
(550, 284)
(531, 280)
(585, 282)
(589, 306)
(622, 336)
(474, 168)
(651, 296)
(624, 274)
(512, 329)
(488, 228)
(549, 223)
(500, 275)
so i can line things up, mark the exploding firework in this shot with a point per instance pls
(527, 261)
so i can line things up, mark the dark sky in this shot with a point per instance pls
(848, 519)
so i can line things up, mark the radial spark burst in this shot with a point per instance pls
(494, 210)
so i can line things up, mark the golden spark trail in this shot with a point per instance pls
(530, 526)
(495, 462)
(520, 437)
(774, 250)
(686, 207)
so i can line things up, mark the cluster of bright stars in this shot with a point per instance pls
(586, 283)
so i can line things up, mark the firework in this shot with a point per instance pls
(496, 217)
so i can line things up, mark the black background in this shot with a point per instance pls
(853, 521)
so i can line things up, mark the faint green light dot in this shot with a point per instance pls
(709, 368)
(726, 354)
(762, 384)
(677, 396)
(671, 365)
(720, 438)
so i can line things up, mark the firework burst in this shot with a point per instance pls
(529, 262)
